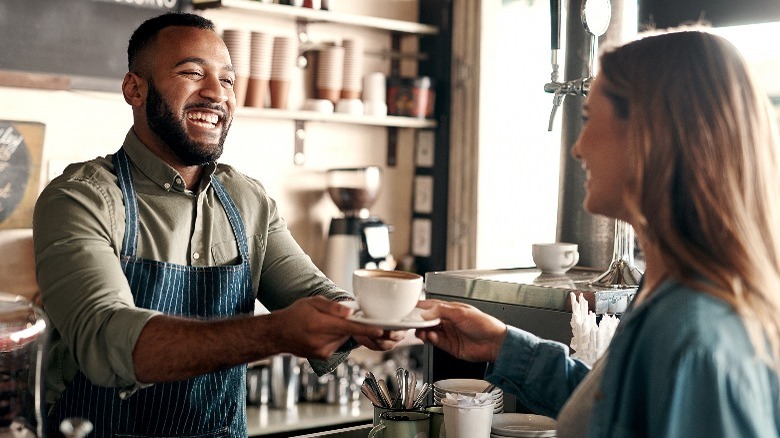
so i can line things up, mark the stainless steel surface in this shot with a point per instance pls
(622, 272)
(75, 427)
(23, 333)
(347, 432)
(285, 380)
(529, 287)
(307, 418)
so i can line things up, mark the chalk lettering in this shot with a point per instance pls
(160, 4)
(5, 192)
(9, 141)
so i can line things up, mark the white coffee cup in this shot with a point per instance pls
(318, 105)
(555, 258)
(349, 106)
(467, 421)
(386, 295)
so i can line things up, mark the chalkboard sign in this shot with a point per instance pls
(73, 37)
(21, 146)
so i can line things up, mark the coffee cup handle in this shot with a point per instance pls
(376, 429)
(575, 258)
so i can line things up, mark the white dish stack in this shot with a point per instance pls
(469, 387)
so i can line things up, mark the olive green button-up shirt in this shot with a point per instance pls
(78, 226)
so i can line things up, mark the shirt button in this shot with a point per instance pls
(178, 180)
(123, 394)
(167, 186)
(195, 255)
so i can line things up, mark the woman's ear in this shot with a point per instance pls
(134, 89)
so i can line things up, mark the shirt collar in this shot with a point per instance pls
(158, 170)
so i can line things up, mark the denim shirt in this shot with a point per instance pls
(680, 365)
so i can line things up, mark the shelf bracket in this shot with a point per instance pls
(392, 146)
(395, 47)
(300, 137)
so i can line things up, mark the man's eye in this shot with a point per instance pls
(192, 73)
(229, 81)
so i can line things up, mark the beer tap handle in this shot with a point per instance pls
(557, 100)
(555, 36)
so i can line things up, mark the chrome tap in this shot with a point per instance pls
(576, 87)
(595, 21)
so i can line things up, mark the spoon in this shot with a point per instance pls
(365, 388)
(373, 384)
(385, 393)
(418, 401)
(402, 384)
(411, 383)
(489, 388)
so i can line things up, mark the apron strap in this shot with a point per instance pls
(122, 170)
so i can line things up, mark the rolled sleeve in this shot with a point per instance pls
(84, 291)
(538, 372)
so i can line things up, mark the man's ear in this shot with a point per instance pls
(134, 89)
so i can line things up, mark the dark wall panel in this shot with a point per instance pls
(70, 37)
(666, 13)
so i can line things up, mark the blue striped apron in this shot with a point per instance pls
(212, 405)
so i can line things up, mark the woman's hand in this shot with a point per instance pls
(465, 332)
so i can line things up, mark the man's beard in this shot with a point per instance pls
(164, 123)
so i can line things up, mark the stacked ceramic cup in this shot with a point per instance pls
(285, 53)
(260, 68)
(330, 73)
(352, 82)
(375, 94)
(239, 45)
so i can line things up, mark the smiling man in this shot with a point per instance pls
(149, 261)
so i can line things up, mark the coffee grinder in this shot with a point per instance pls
(356, 239)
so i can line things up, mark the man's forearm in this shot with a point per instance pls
(171, 348)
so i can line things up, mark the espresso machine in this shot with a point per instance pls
(356, 239)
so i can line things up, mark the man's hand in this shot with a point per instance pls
(465, 332)
(387, 341)
(315, 327)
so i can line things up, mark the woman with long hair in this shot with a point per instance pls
(680, 142)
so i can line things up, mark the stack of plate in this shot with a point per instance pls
(468, 387)
(522, 425)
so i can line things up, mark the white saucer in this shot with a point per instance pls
(410, 321)
(522, 425)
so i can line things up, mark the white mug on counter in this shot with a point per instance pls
(555, 258)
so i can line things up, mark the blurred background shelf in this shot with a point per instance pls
(313, 116)
(314, 15)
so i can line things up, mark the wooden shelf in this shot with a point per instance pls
(392, 123)
(305, 16)
(313, 116)
(318, 16)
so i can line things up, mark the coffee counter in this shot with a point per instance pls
(522, 297)
(530, 288)
(305, 417)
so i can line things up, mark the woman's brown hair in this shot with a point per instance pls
(704, 144)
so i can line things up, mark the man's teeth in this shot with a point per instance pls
(203, 118)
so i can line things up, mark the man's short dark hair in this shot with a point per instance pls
(145, 34)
